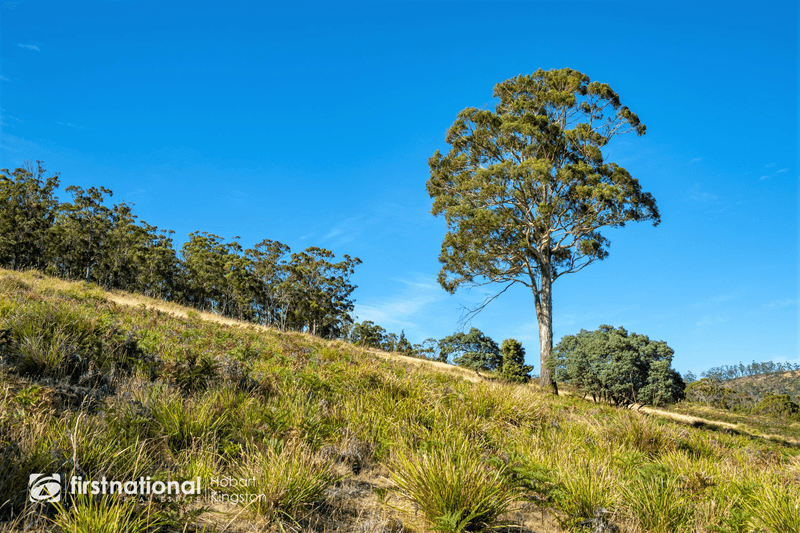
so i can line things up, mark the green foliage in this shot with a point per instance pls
(473, 350)
(296, 413)
(367, 334)
(514, 368)
(453, 488)
(526, 188)
(613, 365)
(778, 406)
(403, 346)
(583, 489)
(90, 240)
(195, 373)
(28, 211)
(95, 515)
(183, 422)
(776, 509)
(710, 392)
(655, 501)
(427, 349)
(729, 372)
(289, 478)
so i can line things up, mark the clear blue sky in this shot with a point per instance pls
(312, 124)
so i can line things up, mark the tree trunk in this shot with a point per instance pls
(544, 314)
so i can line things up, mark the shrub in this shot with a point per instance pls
(473, 350)
(711, 392)
(619, 367)
(514, 368)
(778, 406)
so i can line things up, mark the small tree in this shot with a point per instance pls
(427, 349)
(617, 366)
(514, 368)
(403, 346)
(471, 350)
(367, 334)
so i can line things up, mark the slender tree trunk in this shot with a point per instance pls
(544, 314)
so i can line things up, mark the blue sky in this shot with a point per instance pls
(312, 124)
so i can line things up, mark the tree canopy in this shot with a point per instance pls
(473, 350)
(90, 240)
(526, 188)
(620, 367)
(514, 368)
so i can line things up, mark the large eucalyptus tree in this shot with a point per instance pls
(526, 188)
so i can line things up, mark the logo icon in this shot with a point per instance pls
(44, 488)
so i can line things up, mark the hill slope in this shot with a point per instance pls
(288, 431)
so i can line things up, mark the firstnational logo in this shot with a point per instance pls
(44, 488)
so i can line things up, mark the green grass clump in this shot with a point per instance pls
(657, 504)
(95, 515)
(584, 488)
(183, 423)
(453, 487)
(775, 507)
(285, 481)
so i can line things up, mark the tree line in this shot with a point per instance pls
(474, 350)
(726, 372)
(88, 239)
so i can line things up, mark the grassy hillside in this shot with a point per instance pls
(776, 383)
(290, 432)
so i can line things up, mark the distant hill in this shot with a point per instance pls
(775, 382)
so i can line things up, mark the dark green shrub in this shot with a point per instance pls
(777, 406)
(514, 368)
(616, 366)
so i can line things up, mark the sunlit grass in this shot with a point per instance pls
(300, 414)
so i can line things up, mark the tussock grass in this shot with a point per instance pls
(286, 479)
(656, 503)
(94, 515)
(337, 438)
(453, 487)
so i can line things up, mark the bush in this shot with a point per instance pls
(613, 365)
(710, 392)
(514, 368)
(92, 515)
(473, 350)
(777, 406)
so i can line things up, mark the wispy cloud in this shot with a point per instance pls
(711, 320)
(762, 178)
(698, 195)
(346, 230)
(3, 78)
(404, 307)
(4, 117)
(726, 297)
(29, 47)
(695, 160)
(70, 125)
(786, 302)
